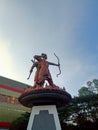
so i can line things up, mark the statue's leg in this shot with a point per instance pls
(50, 81)
(41, 83)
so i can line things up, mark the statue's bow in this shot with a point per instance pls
(58, 64)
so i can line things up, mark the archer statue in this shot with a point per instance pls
(42, 70)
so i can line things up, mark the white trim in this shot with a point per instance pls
(52, 110)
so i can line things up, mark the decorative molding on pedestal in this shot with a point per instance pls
(45, 96)
(44, 118)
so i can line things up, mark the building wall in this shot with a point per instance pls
(10, 108)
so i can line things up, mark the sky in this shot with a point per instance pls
(68, 28)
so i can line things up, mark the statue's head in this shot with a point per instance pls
(44, 55)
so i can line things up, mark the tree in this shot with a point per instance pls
(91, 88)
(95, 81)
(84, 91)
(21, 122)
(93, 85)
(81, 113)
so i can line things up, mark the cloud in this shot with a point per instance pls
(5, 53)
(8, 66)
(5, 57)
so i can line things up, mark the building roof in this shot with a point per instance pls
(12, 83)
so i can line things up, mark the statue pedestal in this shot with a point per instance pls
(44, 118)
(44, 102)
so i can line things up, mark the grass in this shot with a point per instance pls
(9, 112)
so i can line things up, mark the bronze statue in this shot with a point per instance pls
(42, 70)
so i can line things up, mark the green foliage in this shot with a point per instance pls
(81, 111)
(91, 88)
(21, 122)
(95, 81)
(84, 91)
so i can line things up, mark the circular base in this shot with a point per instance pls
(45, 97)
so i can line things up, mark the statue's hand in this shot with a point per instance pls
(58, 64)
(31, 71)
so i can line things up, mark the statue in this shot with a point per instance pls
(44, 97)
(42, 70)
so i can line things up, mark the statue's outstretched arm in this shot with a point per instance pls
(50, 63)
